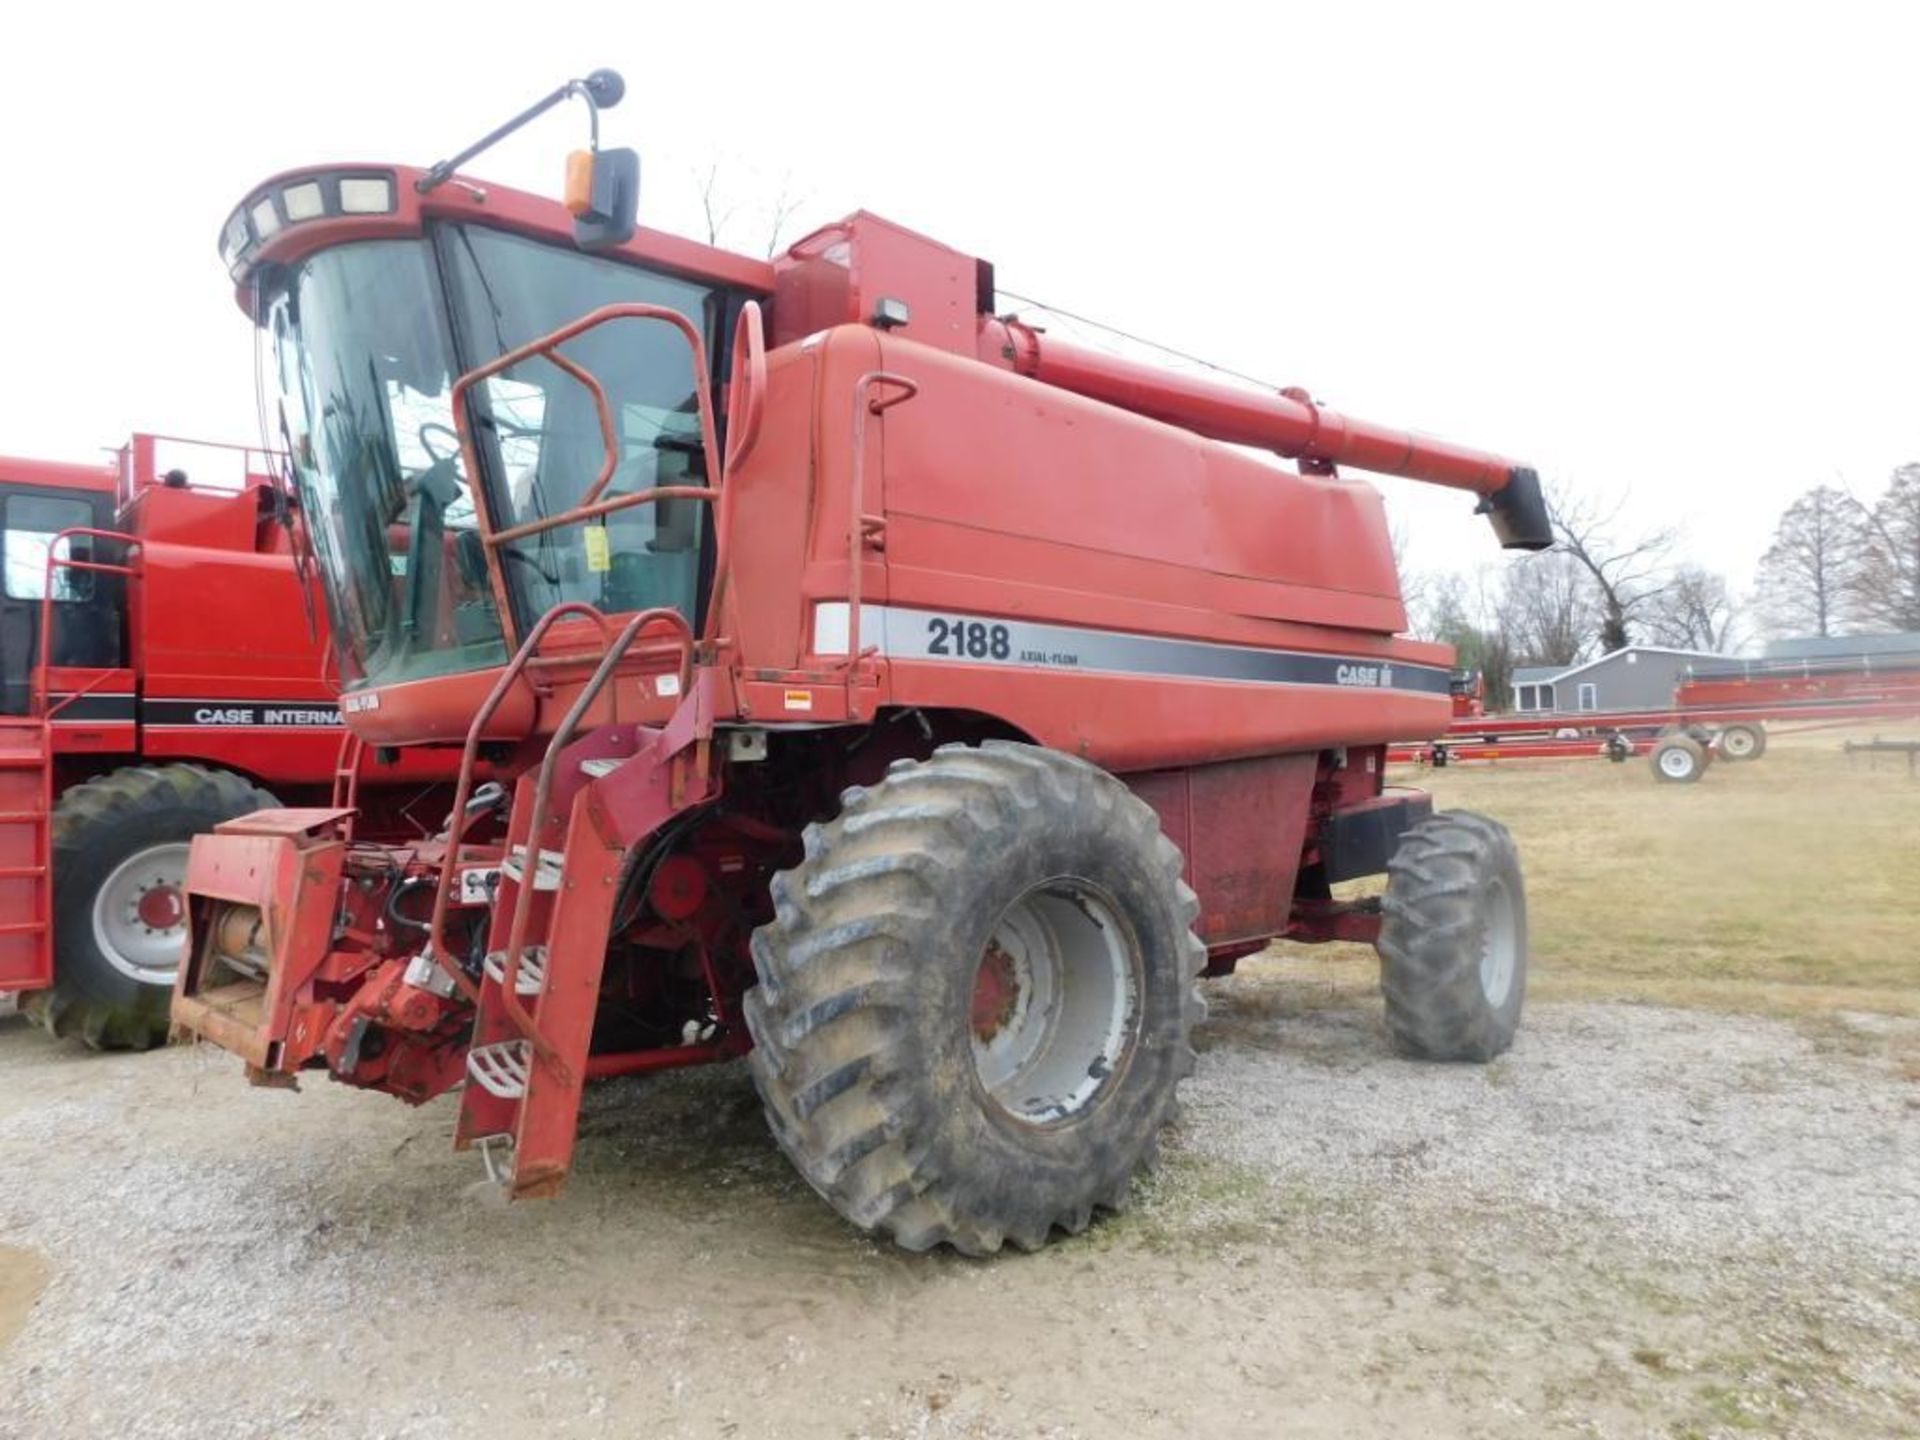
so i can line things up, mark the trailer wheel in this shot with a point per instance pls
(1743, 742)
(1679, 760)
(119, 864)
(1453, 939)
(976, 998)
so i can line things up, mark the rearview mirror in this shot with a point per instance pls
(603, 195)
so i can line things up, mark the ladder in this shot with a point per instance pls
(346, 780)
(538, 989)
(26, 877)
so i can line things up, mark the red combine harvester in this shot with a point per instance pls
(882, 687)
(1727, 711)
(159, 672)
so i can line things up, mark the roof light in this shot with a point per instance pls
(234, 239)
(303, 201)
(267, 213)
(365, 195)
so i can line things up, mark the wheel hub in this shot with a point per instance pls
(139, 914)
(159, 908)
(996, 992)
(1054, 1010)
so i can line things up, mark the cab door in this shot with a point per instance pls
(87, 604)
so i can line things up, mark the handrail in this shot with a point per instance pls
(457, 819)
(43, 663)
(604, 507)
(522, 1017)
(590, 506)
(139, 464)
(860, 526)
(547, 347)
(746, 384)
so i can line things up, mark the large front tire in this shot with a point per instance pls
(976, 998)
(1453, 939)
(119, 918)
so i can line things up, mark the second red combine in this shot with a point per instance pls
(881, 687)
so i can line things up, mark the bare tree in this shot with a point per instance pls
(1807, 578)
(1887, 582)
(1465, 614)
(779, 214)
(713, 206)
(719, 209)
(1416, 586)
(1692, 611)
(1548, 609)
(1625, 569)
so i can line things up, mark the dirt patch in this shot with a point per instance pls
(23, 1275)
(1339, 1243)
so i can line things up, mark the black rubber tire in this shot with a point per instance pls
(861, 1019)
(1741, 743)
(97, 825)
(1441, 900)
(1684, 745)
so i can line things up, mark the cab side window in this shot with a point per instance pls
(31, 522)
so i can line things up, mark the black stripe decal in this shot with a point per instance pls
(232, 714)
(1025, 644)
(92, 708)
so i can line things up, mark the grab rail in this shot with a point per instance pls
(590, 506)
(458, 820)
(523, 1018)
(862, 527)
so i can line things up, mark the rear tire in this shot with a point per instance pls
(1679, 760)
(1742, 742)
(976, 998)
(119, 863)
(1453, 939)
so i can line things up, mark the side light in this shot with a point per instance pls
(365, 195)
(577, 196)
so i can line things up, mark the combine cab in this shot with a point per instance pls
(878, 687)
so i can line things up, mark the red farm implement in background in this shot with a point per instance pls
(160, 671)
(1726, 710)
(877, 684)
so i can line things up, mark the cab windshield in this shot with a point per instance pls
(365, 342)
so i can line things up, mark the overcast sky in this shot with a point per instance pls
(1668, 249)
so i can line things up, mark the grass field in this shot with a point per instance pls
(1789, 885)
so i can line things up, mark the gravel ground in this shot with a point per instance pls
(1641, 1222)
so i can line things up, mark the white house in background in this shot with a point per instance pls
(1640, 677)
